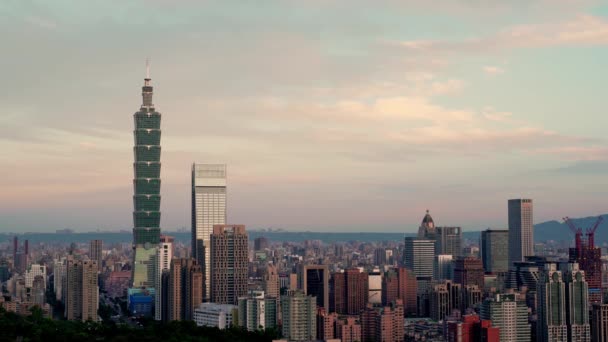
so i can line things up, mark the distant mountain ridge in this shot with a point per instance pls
(550, 230)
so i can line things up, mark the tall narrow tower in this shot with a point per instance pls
(146, 184)
(521, 230)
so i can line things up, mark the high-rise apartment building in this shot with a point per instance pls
(164, 254)
(95, 252)
(257, 311)
(208, 209)
(551, 309)
(468, 271)
(298, 313)
(326, 324)
(32, 272)
(494, 250)
(521, 230)
(146, 184)
(509, 315)
(81, 290)
(348, 330)
(271, 281)
(599, 322)
(349, 291)
(314, 281)
(229, 263)
(448, 240)
(185, 285)
(577, 302)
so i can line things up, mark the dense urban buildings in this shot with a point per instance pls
(468, 271)
(185, 288)
(229, 263)
(208, 210)
(521, 230)
(164, 255)
(551, 322)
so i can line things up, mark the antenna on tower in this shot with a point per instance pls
(147, 68)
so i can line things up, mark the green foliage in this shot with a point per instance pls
(37, 328)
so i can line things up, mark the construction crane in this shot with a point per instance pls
(591, 232)
(578, 234)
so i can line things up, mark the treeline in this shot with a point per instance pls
(35, 327)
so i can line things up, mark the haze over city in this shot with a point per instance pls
(331, 116)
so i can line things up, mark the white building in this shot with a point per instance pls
(215, 315)
(33, 271)
(208, 209)
(164, 254)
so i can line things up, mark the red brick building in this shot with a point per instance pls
(472, 329)
(348, 291)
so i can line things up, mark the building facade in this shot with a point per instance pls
(164, 255)
(209, 196)
(509, 315)
(448, 240)
(313, 280)
(298, 312)
(229, 263)
(220, 316)
(349, 291)
(521, 230)
(494, 250)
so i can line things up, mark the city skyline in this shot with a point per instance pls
(355, 118)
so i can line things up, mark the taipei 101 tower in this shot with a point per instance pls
(146, 186)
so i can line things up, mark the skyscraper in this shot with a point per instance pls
(271, 281)
(400, 283)
(495, 250)
(208, 209)
(164, 254)
(314, 281)
(418, 256)
(146, 184)
(448, 241)
(229, 263)
(443, 268)
(551, 323)
(521, 230)
(577, 302)
(95, 252)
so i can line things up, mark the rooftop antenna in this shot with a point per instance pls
(147, 67)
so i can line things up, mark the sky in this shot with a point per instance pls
(331, 115)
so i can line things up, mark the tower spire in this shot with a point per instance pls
(147, 89)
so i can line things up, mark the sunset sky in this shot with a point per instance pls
(331, 115)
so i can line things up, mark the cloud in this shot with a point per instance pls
(493, 70)
(582, 30)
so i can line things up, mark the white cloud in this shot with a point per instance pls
(493, 70)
